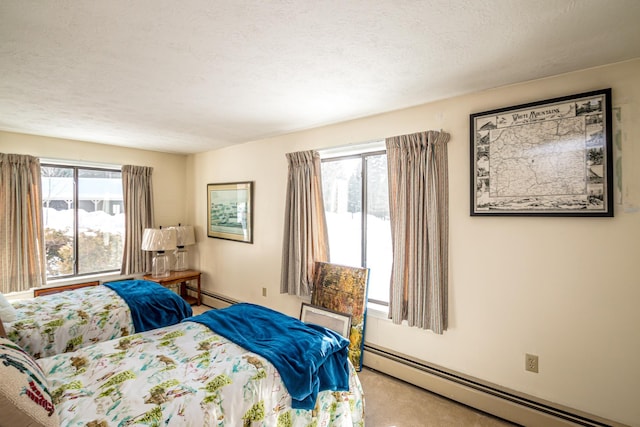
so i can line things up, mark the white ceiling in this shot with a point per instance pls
(194, 75)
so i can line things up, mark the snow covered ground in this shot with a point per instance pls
(98, 220)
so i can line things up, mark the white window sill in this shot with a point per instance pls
(377, 310)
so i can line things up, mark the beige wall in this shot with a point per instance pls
(168, 169)
(566, 289)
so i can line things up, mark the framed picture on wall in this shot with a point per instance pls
(546, 158)
(230, 211)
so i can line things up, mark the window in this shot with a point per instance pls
(356, 203)
(83, 220)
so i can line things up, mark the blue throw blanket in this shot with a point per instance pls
(309, 358)
(152, 305)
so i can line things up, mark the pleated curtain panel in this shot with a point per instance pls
(306, 239)
(23, 264)
(419, 214)
(138, 210)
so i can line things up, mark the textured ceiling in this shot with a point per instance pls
(195, 75)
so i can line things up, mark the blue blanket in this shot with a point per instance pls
(309, 358)
(152, 305)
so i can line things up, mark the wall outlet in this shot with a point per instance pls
(264, 292)
(531, 363)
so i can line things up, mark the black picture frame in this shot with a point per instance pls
(230, 211)
(545, 158)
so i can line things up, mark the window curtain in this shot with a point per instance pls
(23, 262)
(306, 239)
(138, 215)
(419, 200)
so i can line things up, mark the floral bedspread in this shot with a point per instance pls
(66, 321)
(184, 375)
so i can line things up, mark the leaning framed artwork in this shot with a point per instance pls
(230, 211)
(343, 289)
(330, 319)
(546, 158)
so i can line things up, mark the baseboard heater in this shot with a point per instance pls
(212, 299)
(490, 398)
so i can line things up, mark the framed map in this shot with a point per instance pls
(547, 158)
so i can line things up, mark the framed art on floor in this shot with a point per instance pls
(330, 319)
(343, 289)
(546, 158)
(230, 211)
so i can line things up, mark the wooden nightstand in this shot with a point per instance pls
(181, 277)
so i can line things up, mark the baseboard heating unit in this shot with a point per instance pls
(212, 299)
(490, 398)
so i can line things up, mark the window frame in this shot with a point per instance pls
(363, 202)
(76, 166)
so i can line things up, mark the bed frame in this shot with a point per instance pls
(56, 289)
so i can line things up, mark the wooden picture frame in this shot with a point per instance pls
(330, 319)
(546, 158)
(230, 211)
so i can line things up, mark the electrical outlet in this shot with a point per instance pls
(264, 292)
(531, 363)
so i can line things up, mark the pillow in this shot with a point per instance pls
(24, 395)
(7, 312)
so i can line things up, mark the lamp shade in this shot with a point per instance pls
(185, 236)
(158, 239)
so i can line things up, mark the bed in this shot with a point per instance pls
(65, 321)
(199, 373)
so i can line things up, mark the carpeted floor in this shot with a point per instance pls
(390, 402)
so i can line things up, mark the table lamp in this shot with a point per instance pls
(159, 240)
(185, 236)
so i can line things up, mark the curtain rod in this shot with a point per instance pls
(67, 162)
(355, 148)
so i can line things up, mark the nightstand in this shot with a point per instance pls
(181, 277)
